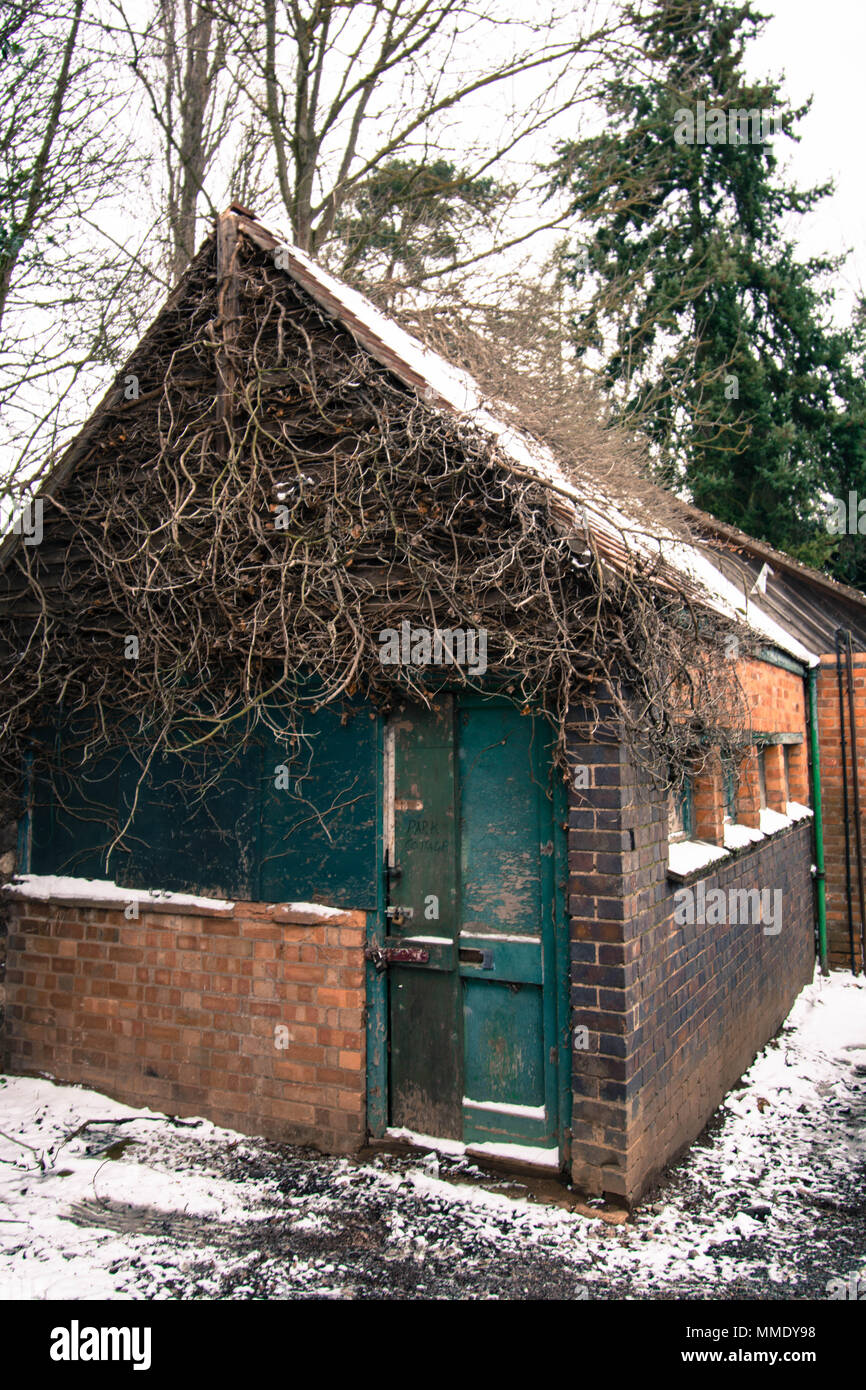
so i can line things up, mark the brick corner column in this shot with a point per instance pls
(614, 839)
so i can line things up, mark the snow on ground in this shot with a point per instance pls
(770, 1203)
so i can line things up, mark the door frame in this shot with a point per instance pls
(559, 1004)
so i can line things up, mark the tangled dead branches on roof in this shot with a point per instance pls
(234, 539)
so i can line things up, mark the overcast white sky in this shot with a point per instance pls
(821, 49)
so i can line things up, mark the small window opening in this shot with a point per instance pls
(681, 816)
(762, 777)
(729, 791)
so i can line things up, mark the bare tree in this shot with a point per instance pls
(178, 54)
(298, 106)
(343, 88)
(33, 142)
(316, 109)
(69, 293)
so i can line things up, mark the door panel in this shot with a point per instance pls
(426, 1048)
(505, 846)
(504, 1047)
(499, 811)
(473, 1036)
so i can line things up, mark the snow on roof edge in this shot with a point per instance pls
(457, 389)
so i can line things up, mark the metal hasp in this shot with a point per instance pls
(383, 956)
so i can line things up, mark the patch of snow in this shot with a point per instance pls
(427, 1141)
(795, 810)
(501, 936)
(523, 1153)
(763, 1206)
(687, 856)
(745, 1224)
(312, 907)
(772, 821)
(533, 1112)
(59, 888)
(39, 1185)
(739, 836)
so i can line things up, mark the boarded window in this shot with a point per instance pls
(246, 821)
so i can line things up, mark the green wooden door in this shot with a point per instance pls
(424, 1000)
(473, 1030)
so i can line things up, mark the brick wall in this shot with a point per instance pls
(777, 704)
(830, 746)
(777, 698)
(180, 1012)
(8, 860)
(674, 1013)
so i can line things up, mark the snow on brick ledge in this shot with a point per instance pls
(307, 914)
(686, 857)
(771, 821)
(103, 892)
(96, 892)
(741, 836)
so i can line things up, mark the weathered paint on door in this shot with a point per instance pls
(425, 1001)
(473, 1030)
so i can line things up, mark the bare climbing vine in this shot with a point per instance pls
(259, 499)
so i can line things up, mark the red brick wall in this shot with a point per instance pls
(829, 738)
(777, 698)
(777, 704)
(674, 1013)
(180, 1012)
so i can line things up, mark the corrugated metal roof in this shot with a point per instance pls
(810, 613)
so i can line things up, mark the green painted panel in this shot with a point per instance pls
(424, 821)
(425, 1052)
(216, 823)
(504, 1042)
(377, 981)
(318, 832)
(481, 1126)
(196, 823)
(508, 919)
(500, 959)
(475, 1029)
(426, 1046)
(500, 831)
(74, 818)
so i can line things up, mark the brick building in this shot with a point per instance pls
(439, 937)
(827, 617)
